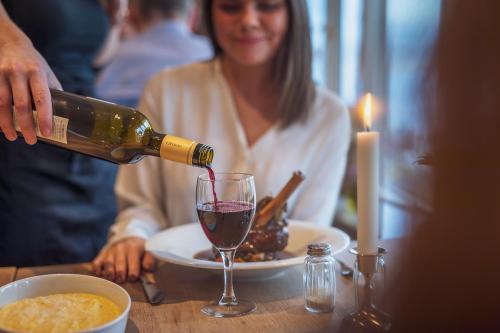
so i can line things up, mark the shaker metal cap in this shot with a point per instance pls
(319, 249)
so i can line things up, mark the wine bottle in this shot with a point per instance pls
(115, 133)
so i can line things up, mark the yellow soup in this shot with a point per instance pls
(70, 312)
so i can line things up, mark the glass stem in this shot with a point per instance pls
(228, 297)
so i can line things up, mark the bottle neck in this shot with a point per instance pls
(154, 146)
(179, 150)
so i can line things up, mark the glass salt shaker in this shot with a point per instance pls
(319, 278)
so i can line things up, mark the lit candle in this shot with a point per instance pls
(367, 155)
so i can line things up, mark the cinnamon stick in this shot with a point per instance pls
(278, 201)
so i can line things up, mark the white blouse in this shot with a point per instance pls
(195, 102)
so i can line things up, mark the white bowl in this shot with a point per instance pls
(178, 245)
(44, 285)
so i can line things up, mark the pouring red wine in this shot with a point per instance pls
(226, 220)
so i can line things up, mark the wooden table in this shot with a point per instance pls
(280, 306)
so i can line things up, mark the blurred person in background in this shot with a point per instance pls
(163, 39)
(257, 105)
(451, 273)
(56, 206)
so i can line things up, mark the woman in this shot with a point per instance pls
(256, 104)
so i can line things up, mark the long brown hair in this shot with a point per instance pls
(450, 279)
(293, 64)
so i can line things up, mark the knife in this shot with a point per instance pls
(153, 293)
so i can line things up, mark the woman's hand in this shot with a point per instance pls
(123, 260)
(24, 76)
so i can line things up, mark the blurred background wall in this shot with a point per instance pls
(381, 46)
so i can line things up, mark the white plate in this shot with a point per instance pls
(178, 245)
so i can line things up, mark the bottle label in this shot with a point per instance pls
(59, 128)
(177, 149)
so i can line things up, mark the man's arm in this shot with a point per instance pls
(24, 76)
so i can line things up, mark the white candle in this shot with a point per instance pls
(367, 155)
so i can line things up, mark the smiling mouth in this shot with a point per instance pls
(250, 40)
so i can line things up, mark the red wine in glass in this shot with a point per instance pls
(226, 223)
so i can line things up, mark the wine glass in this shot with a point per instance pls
(226, 206)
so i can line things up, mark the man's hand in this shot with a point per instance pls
(24, 75)
(123, 260)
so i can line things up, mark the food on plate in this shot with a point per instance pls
(268, 236)
(69, 312)
(265, 240)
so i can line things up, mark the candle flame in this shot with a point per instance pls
(368, 111)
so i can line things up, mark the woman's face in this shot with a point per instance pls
(250, 32)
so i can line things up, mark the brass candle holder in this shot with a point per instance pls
(369, 285)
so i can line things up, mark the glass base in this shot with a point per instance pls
(240, 308)
(367, 319)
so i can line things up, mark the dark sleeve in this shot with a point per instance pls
(7, 5)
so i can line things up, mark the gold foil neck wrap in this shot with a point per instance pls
(177, 149)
